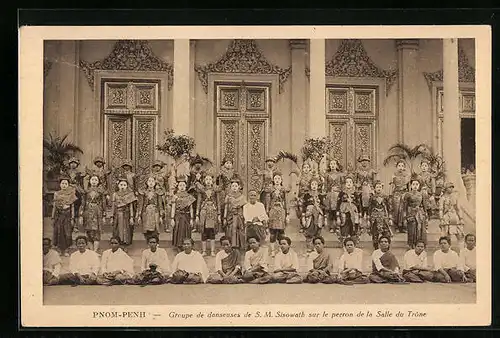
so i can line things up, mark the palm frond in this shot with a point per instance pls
(402, 149)
(282, 155)
(393, 157)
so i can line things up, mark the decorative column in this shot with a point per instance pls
(451, 118)
(299, 116)
(192, 57)
(181, 100)
(408, 77)
(68, 78)
(317, 88)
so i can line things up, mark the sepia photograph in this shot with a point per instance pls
(259, 171)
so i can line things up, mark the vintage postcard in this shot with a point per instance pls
(255, 176)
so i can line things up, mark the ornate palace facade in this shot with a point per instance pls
(248, 99)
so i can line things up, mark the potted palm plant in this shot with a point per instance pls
(179, 148)
(56, 152)
(409, 154)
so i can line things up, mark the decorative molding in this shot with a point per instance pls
(297, 43)
(407, 43)
(47, 66)
(466, 73)
(242, 56)
(352, 60)
(130, 55)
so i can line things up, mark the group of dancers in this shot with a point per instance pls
(201, 200)
(116, 267)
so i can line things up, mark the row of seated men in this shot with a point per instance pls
(189, 266)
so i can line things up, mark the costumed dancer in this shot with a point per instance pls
(223, 181)
(75, 180)
(233, 215)
(364, 179)
(63, 216)
(267, 182)
(182, 214)
(414, 213)
(98, 168)
(399, 186)
(151, 208)
(208, 213)
(92, 212)
(278, 211)
(428, 182)
(195, 182)
(348, 206)
(313, 213)
(305, 177)
(122, 203)
(450, 214)
(380, 214)
(334, 178)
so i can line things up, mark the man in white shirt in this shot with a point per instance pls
(286, 264)
(447, 263)
(468, 258)
(155, 265)
(83, 265)
(351, 264)
(415, 267)
(385, 265)
(116, 266)
(227, 265)
(255, 216)
(256, 263)
(51, 263)
(188, 266)
(320, 264)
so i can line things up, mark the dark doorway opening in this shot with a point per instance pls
(468, 144)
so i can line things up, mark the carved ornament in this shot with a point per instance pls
(466, 73)
(131, 55)
(242, 56)
(352, 60)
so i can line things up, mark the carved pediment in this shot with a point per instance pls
(352, 60)
(466, 73)
(131, 55)
(47, 66)
(242, 56)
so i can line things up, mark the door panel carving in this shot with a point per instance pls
(131, 108)
(351, 116)
(243, 114)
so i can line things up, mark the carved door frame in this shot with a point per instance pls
(378, 120)
(270, 80)
(99, 117)
(438, 112)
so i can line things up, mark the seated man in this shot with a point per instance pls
(155, 265)
(255, 217)
(415, 267)
(385, 266)
(116, 266)
(468, 258)
(351, 264)
(51, 263)
(227, 265)
(286, 264)
(189, 267)
(320, 264)
(256, 263)
(447, 264)
(83, 265)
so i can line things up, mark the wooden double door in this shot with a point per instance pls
(243, 115)
(351, 113)
(131, 109)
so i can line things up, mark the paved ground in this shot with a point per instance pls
(261, 294)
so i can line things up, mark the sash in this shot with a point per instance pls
(322, 261)
(183, 200)
(231, 261)
(65, 197)
(124, 198)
